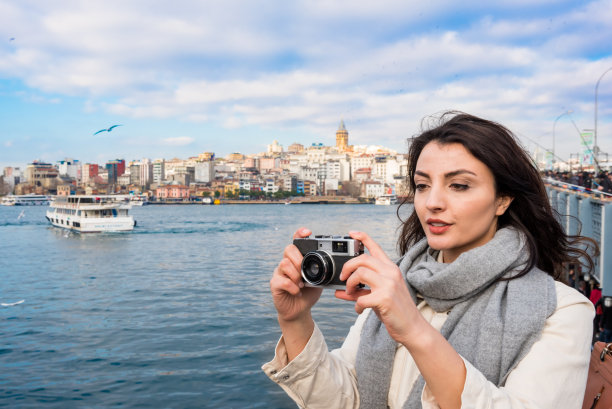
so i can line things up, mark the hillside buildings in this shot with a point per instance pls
(341, 169)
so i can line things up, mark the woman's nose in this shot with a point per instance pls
(436, 199)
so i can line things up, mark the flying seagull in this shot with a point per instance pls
(107, 130)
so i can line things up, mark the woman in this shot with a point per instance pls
(471, 315)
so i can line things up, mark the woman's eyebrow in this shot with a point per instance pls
(458, 172)
(446, 175)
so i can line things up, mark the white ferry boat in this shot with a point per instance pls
(138, 200)
(386, 200)
(25, 200)
(91, 214)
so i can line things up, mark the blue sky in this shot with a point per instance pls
(184, 77)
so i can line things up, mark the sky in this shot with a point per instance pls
(185, 77)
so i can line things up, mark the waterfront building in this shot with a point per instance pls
(362, 174)
(88, 172)
(308, 172)
(373, 150)
(372, 189)
(235, 157)
(295, 148)
(342, 137)
(115, 168)
(251, 163)
(134, 174)
(310, 188)
(290, 183)
(145, 167)
(124, 180)
(275, 148)
(183, 175)
(70, 167)
(172, 192)
(12, 177)
(231, 188)
(65, 190)
(386, 168)
(331, 186)
(334, 170)
(270, 186)
(206, 157)
(361, 161)
(172, 164)
(316, 154)
(158, 170)
(204, 172)
(268, 164)
(41, 174)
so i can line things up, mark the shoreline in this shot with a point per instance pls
(308, 200)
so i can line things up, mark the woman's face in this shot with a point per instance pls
(455, 199)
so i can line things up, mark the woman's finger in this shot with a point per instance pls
(293, 253)
(360, 277)
(374, 249)
(284, 284)
(364, 260)
(301, 233)
(288, 269)
(343, 295)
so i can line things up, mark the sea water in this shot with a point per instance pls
(175, 314)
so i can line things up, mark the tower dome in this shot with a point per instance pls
(341, 137)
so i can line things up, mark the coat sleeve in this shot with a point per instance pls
(318, 378)
(554, 372)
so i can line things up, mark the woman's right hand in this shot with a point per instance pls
(292, 299)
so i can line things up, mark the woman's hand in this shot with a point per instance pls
(292, 299)
(388, 295)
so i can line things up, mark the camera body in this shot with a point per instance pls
(324, 257)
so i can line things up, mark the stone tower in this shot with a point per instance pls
(342, 137)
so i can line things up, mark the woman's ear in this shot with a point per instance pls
(503, 202)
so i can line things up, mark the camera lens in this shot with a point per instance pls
(317, 268)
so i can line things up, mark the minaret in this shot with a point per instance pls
(341, 137)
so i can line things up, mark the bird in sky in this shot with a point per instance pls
(107, 130)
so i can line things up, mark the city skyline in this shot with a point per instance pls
(184, 78)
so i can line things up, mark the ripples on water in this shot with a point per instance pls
(176, 314)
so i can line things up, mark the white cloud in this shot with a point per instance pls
(178, 141)
(379, 65)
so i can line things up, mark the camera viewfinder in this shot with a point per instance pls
(340, 246)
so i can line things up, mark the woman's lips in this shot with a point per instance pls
(437, 226)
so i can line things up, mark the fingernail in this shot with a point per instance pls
(301, 285)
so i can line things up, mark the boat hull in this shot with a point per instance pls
(91, 214)
(92, 225)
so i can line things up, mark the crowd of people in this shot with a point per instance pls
(602, 323)
(596, 182)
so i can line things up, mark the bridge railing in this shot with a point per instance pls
(588, 212)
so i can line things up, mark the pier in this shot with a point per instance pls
(588, 213)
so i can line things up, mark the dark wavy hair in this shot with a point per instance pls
(516, 176)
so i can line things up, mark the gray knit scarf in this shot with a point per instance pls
(492, 323)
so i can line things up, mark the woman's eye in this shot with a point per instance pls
(459, 186)
(420, 187)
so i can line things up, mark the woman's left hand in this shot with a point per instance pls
(388, 294)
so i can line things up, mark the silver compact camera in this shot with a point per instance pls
(324, 257)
